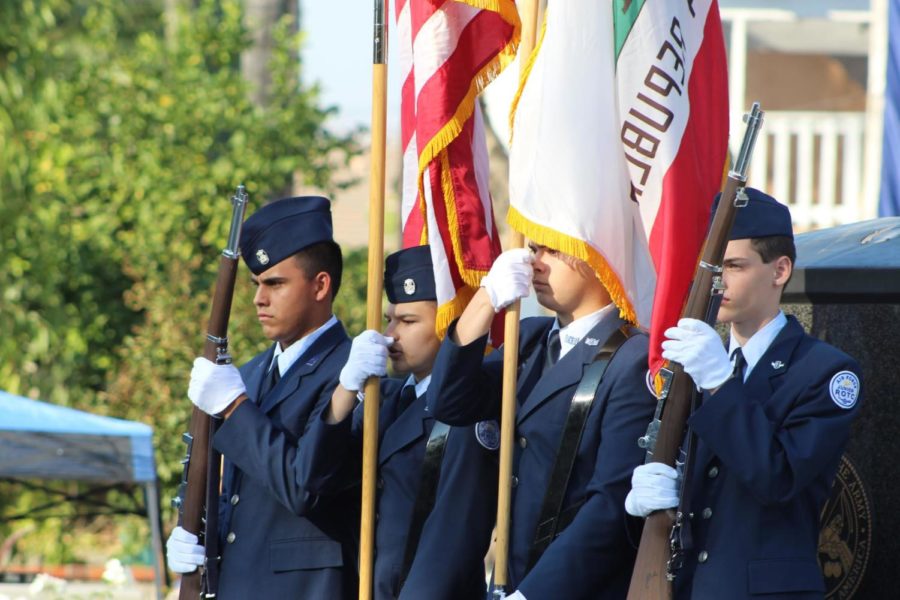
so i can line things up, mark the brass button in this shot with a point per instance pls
(713, 472)
(523, 442)
(235, 499)
(230, 538)
(703, 556)
(707, 513)
(515, 481)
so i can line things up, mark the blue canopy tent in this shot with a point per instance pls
(48, 442)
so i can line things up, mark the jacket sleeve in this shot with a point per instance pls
(775, 461)
(465, 385)
(272, 455)
(594, 548)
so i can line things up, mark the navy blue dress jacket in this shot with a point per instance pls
(594, 555)
(449, 560)
(767, 455)
(278, 540)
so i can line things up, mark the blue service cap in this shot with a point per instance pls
(283, 228)
(409, 276)
(763, 217)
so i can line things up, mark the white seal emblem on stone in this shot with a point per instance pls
(409, 286)
(262, 256)
(844, 388)
(488, 434)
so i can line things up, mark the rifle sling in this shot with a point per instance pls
(553, 519)
(425, 497)
(683, 534)
(210, 581)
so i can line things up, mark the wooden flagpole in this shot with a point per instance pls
(528, 12)
(373, 298)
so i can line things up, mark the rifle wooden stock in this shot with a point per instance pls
(201, 463)
(649, 580)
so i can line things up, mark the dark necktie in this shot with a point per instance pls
(554, 346)
(272, 379)
(740, 363)
(407, 397)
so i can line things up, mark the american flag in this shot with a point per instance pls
(448, 52)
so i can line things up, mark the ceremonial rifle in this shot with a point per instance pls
(197, 499)
(659, 553)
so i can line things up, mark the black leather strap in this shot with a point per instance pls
(425, 497)
(553, 518)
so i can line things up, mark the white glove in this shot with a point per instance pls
(517, 595)
(509, 278)
(368, 358)
(654, 486)
(183, 553)
(213, 387)
(700, 351)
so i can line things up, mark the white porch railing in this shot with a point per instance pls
(813, 161)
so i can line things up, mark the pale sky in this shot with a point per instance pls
(338, 54)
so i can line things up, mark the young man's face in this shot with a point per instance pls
(565, 285)
(752, 287)
(285, 299)
(416, 344)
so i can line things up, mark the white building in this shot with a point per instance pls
(818, 69)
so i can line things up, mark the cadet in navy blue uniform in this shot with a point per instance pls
(771, 429)
(278, 540)
(592, 556)
(438, 510)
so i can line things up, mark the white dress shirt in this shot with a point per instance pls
(758, 343)
(288, 356)
(572, 333)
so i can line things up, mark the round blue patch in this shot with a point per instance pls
(488, 434)
(648, 379)
(844, 388)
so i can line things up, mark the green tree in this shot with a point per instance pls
(118, 151)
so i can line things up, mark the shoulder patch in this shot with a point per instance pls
(844, 388)
(488, 434)
(649, 381)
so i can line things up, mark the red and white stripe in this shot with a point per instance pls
(448, 51)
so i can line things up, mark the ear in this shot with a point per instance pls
(322, 286)
(783, 269)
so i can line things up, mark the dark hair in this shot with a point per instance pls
(774, 247)
(322, 256)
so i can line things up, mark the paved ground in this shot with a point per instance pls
(52, 590)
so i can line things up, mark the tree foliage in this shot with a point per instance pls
(119, 147)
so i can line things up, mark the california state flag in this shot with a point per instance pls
(618, 146)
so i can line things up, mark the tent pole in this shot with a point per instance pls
(161, 576)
